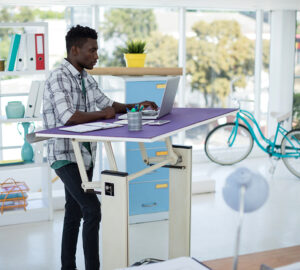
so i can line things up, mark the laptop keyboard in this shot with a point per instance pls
(150, 112)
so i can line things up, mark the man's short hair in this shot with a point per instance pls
(78, 35)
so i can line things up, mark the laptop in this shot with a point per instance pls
(166, 104)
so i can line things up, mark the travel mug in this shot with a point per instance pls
(134, 121)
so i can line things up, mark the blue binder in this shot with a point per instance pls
(13, 50)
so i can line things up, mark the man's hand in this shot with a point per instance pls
(109, 112)
(149, 104)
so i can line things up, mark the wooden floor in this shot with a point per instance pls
(273, 258)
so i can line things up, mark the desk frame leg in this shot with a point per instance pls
(114, 220)
(80, 163)
(180, 203)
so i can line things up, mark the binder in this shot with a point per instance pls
(32, 99)
(30, 40)
(39, 51)
(39, 98)
(20, 65)
(13, 50)
(38, 152)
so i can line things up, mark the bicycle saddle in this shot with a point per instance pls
(281, 116)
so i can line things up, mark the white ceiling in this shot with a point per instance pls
(209, 4)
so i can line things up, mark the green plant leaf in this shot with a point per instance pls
(134, 46)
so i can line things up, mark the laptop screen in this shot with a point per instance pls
(169, 96)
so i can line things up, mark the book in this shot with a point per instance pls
(294, 266)
(39, 51)
(30, 51)
(184, 263)
(32, 97)
(20, 62)
(13, 50)
(39, 98)
(90, 127)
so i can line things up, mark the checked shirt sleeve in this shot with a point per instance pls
(61, 98)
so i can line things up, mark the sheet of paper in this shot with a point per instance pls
(294, 266)
(90, 127)
(80, 128)
(182, 263)
(103, 124)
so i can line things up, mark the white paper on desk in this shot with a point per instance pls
(103, 124)
(89, 127)
(182, 263)
(294, 266)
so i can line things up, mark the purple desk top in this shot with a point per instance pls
(181, 119)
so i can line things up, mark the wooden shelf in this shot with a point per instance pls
(124, 71)
(21, 73)
(17, 120)
(24, 166)
(36, 210)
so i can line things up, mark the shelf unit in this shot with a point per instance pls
(40, 206)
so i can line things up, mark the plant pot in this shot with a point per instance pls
(15, 109)
(135, 59)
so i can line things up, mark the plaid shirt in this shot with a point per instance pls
(62, 97)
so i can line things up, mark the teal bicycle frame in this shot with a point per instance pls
(271, 145)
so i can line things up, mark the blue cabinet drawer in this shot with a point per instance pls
(135, 163)
(135, 145)
(148, 197)
(137, 91)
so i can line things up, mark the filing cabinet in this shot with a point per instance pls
(148, 194)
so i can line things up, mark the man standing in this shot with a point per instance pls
(71, 97)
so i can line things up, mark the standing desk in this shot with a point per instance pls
(114, 184)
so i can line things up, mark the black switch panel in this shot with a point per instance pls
(109, 189)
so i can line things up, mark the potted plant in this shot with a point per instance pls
(134, 53)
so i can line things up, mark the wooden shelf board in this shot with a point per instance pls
(24, 166)
(124, 71)
(36, 210)
(17, 120)
(24, 72)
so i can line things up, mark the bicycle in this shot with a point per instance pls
(238, 139)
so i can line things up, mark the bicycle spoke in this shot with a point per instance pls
(228, 144)
(290, 149)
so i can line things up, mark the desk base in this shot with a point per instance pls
(115, 205)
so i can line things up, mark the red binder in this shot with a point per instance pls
(39, 51)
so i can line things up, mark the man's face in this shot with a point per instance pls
(86, 56)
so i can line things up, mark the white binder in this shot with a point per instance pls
(33, 93)
(37, 108)
(20, 62)
(31, 52)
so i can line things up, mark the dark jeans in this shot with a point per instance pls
(79, 205)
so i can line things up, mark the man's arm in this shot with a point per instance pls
(122, 108)
(84, 117)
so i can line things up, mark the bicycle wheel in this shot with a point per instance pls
(290, 146)
(218, 148)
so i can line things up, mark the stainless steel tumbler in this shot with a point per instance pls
(134, 121)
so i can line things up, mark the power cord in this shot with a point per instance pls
(147, 261)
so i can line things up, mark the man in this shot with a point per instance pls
(71, 97)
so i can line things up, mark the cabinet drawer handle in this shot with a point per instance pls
(149, 204)
(161, 86)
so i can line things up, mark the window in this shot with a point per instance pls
(296, 100)
(220, 63)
